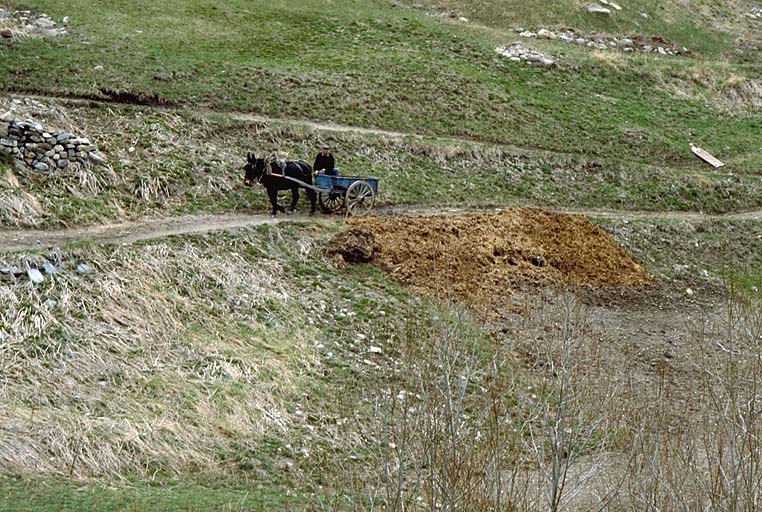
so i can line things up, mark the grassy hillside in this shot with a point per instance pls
(380, 65)
(250, 370)
(189, 370)
(174, 162)
(266, 378)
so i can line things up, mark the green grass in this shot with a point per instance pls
(722, 252)
(745, 282)
(374, 65)
(686, 25)
(36, 495)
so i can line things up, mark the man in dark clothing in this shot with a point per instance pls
(324, 163)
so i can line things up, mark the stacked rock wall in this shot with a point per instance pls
(31, 143)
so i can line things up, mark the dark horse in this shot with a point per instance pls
(272, 179)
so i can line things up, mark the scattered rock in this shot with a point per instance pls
(27, 24)
(375, 350)
(49, 268)
(49, 304)
(45, 23)
(627, 44)
(84, 268)
(96, 157)
(614, 6)
(517, 52)
(35, 276)
(597, 9)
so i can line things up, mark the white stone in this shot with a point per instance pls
(96, 157)
(35, 276)
(597, 9)
(45, 23)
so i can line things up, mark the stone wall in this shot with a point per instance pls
(44, 150)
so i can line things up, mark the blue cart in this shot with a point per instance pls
(353, 195)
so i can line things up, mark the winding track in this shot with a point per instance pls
(155, 228)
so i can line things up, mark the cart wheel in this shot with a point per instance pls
(331, 202)
(360, 198)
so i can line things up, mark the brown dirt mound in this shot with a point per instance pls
(354, 246)
(478, 257)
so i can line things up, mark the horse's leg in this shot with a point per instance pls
(294, 198)
(273, 195)
(312, 195)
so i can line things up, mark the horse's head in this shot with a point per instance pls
(253, 169)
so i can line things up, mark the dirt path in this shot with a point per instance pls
(312, 125)
(155, 228)
(133, 231)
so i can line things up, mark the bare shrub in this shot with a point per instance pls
(712, 459)
(465, 426)
(442, 434)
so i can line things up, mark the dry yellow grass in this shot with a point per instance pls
(154, 362)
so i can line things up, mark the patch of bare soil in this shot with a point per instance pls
(480, 257)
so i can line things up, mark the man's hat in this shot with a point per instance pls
(326, 146)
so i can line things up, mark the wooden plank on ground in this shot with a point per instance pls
(706, 157)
